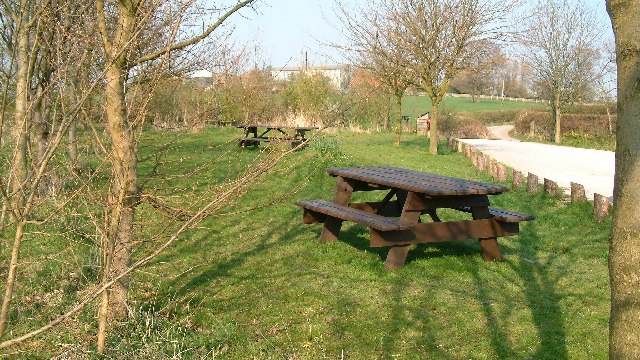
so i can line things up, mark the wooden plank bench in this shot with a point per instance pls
(316, 211)
(247, 141)
(502, 214)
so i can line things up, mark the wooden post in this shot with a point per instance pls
(493, 168)
(460, 146)
(532, 183)
(600, 207)
(577, 192)
(502, 172)
(517, 179)
(474, 158)
(467, 150)
(481, 163)
(550, 187)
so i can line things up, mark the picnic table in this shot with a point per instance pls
(256, 134)
(395, 221)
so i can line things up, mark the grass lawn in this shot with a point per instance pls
(257, 284)
(414, 106)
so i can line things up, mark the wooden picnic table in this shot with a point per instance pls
(395, 221)
(256, 134)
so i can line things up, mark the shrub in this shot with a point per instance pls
(494, 117)
(461, 126)
(539, 124)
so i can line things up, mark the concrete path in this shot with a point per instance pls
(502, 132)
(594, 169)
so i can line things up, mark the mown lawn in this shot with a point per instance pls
(415, 106)
(256, 283)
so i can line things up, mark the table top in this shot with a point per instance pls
(276, 127)
(416, 181)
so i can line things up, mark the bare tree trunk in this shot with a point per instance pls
(624, 249)
(399, 128)
(124, 190)
(18, 181)
(73, 145)
(555, 112)
(11, 277)
(22, 117)
(41, 124)
(433, 131)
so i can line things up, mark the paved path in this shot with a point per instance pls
(592, 168)
(502, 132)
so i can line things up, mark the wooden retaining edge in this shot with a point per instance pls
(600, 207)
(517, 179)
(550, 187)
(577, 192)
(532, 184)
(482, 162)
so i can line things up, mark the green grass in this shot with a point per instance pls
(414, 106)
(585, 141)
(259, 285)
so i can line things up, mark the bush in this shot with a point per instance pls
(461, 126)
(494, 117)
(539, 124)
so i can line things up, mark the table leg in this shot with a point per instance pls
(341, 196)
(398, 254)
(489, 246)
(396, 257)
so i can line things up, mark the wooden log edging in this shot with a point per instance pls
(532, 184)
(517, 179)
(600, 207)
(550, 187)
(577, 192)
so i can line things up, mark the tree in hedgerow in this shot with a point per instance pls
(560, 42)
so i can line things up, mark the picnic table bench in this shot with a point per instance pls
(395, 220)
(292, 134)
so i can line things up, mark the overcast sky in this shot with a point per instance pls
(286, 29)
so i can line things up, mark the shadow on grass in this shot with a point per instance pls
(249, 244)
(540, 276)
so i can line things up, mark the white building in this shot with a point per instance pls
(340, 76)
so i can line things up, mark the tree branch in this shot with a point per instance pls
(192, 41)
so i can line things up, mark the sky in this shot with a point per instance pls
(285, 29)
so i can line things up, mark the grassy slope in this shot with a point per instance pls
(259, 285)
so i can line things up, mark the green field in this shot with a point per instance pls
(414, 106)
(253, 282)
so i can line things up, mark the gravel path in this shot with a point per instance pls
(594, 169)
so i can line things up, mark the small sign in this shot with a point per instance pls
(423, 122)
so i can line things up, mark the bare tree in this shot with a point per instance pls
(481, 76)
(123, 25)
(560, 41)
(439, 37)
(373, 44)
(36, 76)
(624, 249)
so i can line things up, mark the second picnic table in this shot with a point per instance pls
(256, 134)
(397, 224)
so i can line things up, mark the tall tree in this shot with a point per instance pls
(373, 39)
(439, 37)
(560, 42)
(624, 249)
(124, 26)
(36, 74)
(481, 76)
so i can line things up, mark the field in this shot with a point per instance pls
(252, 281)
(415, 106)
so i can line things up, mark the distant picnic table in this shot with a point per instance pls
(256, 134)
(397, 224)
